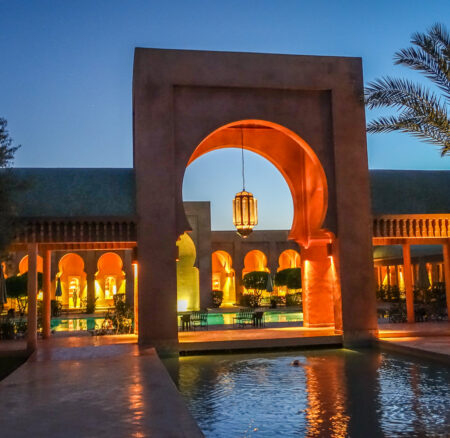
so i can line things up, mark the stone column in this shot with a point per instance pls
(90, 269)
(32, 289)
(238, 266)
(273, 258)
(446, 251)
(318, 282)
(407, 273)
(47, 285)
(129, 277)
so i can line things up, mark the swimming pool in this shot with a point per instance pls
(94, 323)
(270, 316)
(76, 324)
(333, 393)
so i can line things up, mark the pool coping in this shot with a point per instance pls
(254, 345)
(420, 353)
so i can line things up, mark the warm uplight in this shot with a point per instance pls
(245, 213)
(136, 297)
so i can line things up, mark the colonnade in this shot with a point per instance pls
(405, 276)
(51, 259)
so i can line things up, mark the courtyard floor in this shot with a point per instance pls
(93, 387)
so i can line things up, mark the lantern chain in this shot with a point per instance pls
(243, 164)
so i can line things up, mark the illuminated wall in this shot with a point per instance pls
(73, 280)
(109, 278)
(223, 277)
(188, 290)
(289, 259)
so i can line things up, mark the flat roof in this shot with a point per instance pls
(94, 192)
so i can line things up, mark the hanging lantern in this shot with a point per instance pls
(245, 213)
(245, 206)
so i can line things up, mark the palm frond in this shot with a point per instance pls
(402, 93)
(417, 127)
(422, 112)
(441, 36)
(435, 68)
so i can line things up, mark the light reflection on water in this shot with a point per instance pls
(334, 393)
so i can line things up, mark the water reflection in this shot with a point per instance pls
(333, 393)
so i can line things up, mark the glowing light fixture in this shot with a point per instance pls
(245, 206)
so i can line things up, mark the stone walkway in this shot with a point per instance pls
(93, 387)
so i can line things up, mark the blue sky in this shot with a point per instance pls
(66, 71)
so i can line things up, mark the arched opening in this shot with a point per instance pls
(73, 281)
(109, 278)
(188, 297)
(23, 265)
(289, 259)
(295, 160)
(255, 260)
(223, 277)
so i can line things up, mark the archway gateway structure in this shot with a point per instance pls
(305, 114)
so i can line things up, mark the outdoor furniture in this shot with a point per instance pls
(185, 322)
(199, 319)
(243, 318)
(259, 319)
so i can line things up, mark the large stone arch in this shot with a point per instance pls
(181, 98)
(295, 160)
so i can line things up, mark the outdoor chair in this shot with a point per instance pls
(243, 318)
(259, 319)
(199, 319)
(185, 321)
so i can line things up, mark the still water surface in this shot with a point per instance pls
(333, 393)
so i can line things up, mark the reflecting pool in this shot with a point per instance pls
(333, 393)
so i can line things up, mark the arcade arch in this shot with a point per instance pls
(223, 277)
(73, 280)
(109, 279)
(23, 265)
(289, 259)
(188, 296)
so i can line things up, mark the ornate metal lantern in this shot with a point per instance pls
(245, 206)
(245, 213)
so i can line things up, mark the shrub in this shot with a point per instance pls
(16, 287)
(256, 281)
(249, 300)
(294, 299)
(7, 328)
(217, 298)
(56, 307)
(119, 319)
(290, 277)
(91, 304)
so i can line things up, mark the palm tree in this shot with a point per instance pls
(423, 113)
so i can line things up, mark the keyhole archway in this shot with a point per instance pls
(306, 179)
(187, 103)
(295, 160)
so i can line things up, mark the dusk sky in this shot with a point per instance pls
(66, 76)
